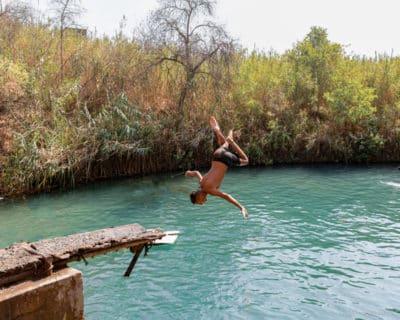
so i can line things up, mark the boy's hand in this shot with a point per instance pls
(244, 212)
(188, 173)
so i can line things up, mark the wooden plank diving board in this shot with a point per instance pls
(25, 260)
(169, 238)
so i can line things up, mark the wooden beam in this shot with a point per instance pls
(137, 250)
(25, 260)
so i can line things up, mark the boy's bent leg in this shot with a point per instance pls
(217, 130)
(230, 136)
(243, 157)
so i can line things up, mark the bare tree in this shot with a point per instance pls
(186, 29)
(67, 11)
(13, 15)
(19, 11)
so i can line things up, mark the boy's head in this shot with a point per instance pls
(198, 196)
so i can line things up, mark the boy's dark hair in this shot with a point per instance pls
(193, 196)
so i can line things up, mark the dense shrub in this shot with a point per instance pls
(114, 110)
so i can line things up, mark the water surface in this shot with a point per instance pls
(321, 243)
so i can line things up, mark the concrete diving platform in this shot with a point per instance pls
(39, 269)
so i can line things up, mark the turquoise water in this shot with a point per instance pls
(321, 243)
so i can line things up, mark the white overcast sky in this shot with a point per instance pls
(362, 26)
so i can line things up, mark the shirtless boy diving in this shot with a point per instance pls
(227, 155)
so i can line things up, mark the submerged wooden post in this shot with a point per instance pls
(138, 250)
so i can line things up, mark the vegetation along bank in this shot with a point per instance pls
(75, 107)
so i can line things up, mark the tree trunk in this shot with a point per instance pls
(62, 53)
(182, 98)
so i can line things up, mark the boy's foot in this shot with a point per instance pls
(214, 124)
(217, 130)
(230, 136)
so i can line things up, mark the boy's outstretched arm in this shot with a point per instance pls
(230, 199)
(195, 173)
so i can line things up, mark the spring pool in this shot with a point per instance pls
(321, 242)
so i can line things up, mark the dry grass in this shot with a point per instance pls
(114, 115)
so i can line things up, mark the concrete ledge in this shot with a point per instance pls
(58, 296)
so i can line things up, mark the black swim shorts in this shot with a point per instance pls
(226, 156)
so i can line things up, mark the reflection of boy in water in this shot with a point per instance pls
(227, 155)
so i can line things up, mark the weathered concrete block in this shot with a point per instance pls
(59, 296)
